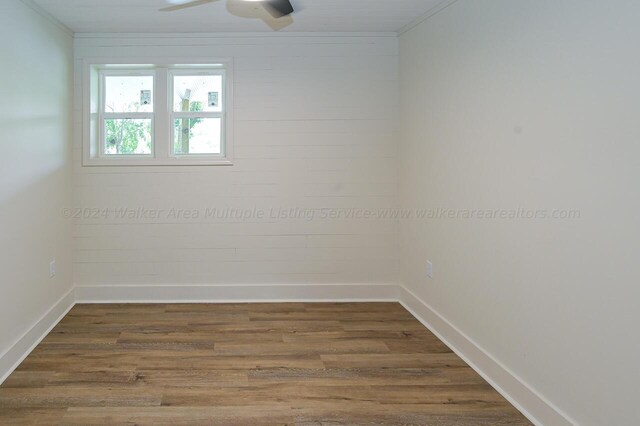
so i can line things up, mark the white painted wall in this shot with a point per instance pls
(35, 168)
(532, 104)
(315, 127)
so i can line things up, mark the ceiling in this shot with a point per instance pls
(135, 16)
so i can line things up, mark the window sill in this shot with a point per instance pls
(177, 161)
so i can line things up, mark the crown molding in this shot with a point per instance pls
(246, 34)
(430, 13)
(49, 17)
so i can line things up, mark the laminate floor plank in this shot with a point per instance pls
(240, 364)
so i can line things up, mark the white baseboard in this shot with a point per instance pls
(238, 293)
(17, 352)
(12, 357)
(534, 406)
(539, 410)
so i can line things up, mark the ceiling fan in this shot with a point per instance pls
(277, 8)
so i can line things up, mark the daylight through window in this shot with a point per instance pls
(143, 115)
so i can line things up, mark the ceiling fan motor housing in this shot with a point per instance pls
(279, 8)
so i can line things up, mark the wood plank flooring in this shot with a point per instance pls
(241, 364)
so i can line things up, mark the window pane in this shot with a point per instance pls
(198, 136)
(197, 93)
(129, 94)
(127, 137)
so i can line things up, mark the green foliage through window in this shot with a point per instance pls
(127, 136)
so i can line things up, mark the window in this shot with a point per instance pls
(126, 114)
(197, 112)
(158, 115)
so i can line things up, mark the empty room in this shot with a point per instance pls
(320, 212)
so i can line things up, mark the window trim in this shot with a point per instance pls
(162, 126)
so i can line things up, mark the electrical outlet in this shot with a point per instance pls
(52, 269)
(429, 269)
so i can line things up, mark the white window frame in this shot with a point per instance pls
(162, 152)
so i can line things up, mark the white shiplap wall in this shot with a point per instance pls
(35, 177)
(315, 127)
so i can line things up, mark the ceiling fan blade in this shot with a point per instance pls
(186, 5)
(279, 8)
